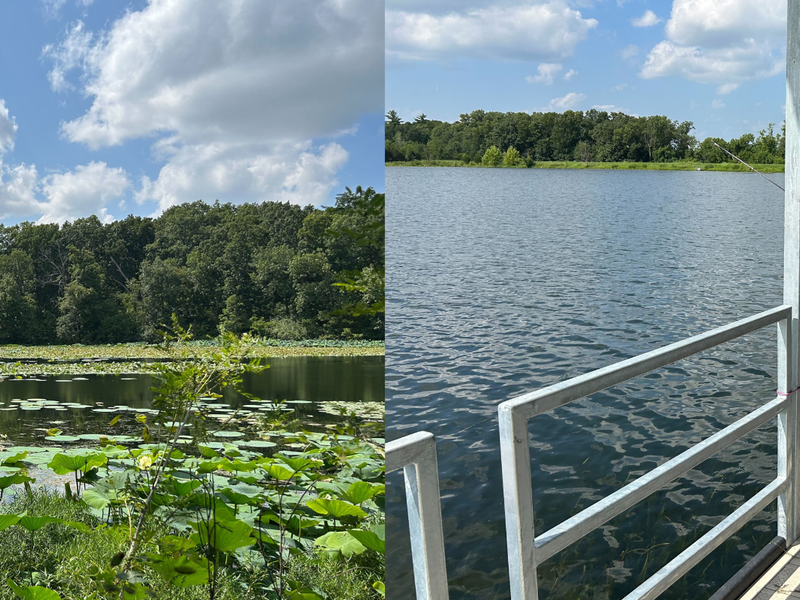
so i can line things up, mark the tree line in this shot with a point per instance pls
(273, 269)
(590, 136)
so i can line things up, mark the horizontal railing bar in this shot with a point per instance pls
(589, 519)
(541, 401)
(681, 564)
(408, 450)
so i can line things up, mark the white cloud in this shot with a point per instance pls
(17, 190)
(51, 8)
(87, 190)
(610, 108)
(526, 31)
(570, 74)
(717, 104)
(620, 87)
(296, 173)
(67, 56)
(630, 51)
(722, 23)
(720, 66)
(722, 42)
(274, 75)
(8, 129)
(566, 102)
(69, 195)
(648, 19)
(727, 88)
(547, 72)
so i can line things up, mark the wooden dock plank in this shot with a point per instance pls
(781, 581)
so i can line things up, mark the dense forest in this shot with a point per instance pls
(594, 135)
(277, 270)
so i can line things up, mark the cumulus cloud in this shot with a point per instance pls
(274, 75)
(722, 66)
(86, 190)
(570, 74)
(69, 195)
(566, 102)
(648, 19)
(8, 129)
(519, 31)
(717, 104)
(296, 173)
(722, 42)
(547, 72)
(17, 190)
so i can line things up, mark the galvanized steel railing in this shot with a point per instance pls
(526, 550)
(416, 455)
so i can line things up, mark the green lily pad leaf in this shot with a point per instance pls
(12, 459)
(335, 508)
(369, 539)
(228, 434)
(224, 536)
(33, 593)
(361, 491)
(180, 572)
(340, 542)
(7, 521)
(16, 479)
(69, 463)
(36, 523)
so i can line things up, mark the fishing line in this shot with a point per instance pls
(749, 167)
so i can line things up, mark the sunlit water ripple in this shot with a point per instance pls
(503, 281)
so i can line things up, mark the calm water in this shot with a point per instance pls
(314, 378)
(504, 281)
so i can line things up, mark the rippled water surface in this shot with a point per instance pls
(312, 378)
(504, 281)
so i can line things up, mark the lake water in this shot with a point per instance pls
(310, 378)
(504, 281)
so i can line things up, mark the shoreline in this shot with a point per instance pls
(621, 166)
(117, 359)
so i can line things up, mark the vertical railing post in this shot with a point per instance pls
(416, 455)
(515, 454)
(788, 351)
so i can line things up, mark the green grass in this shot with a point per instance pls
(672, 166)
(342, 580)
(62, 558)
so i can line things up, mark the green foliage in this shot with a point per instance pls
(217, 267)
(593, 135)
(204, 519)
(511, 158)
(493, 157)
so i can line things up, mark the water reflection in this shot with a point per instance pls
(315, 378)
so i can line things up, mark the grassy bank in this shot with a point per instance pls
(673, 166)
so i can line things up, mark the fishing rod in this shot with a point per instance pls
(749, 167)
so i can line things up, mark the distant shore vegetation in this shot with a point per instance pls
(572, 139)
(275, 270)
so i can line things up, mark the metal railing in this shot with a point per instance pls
(416, 455)
(526, 550)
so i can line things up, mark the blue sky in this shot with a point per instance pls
(112, 108)
(717, 63)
